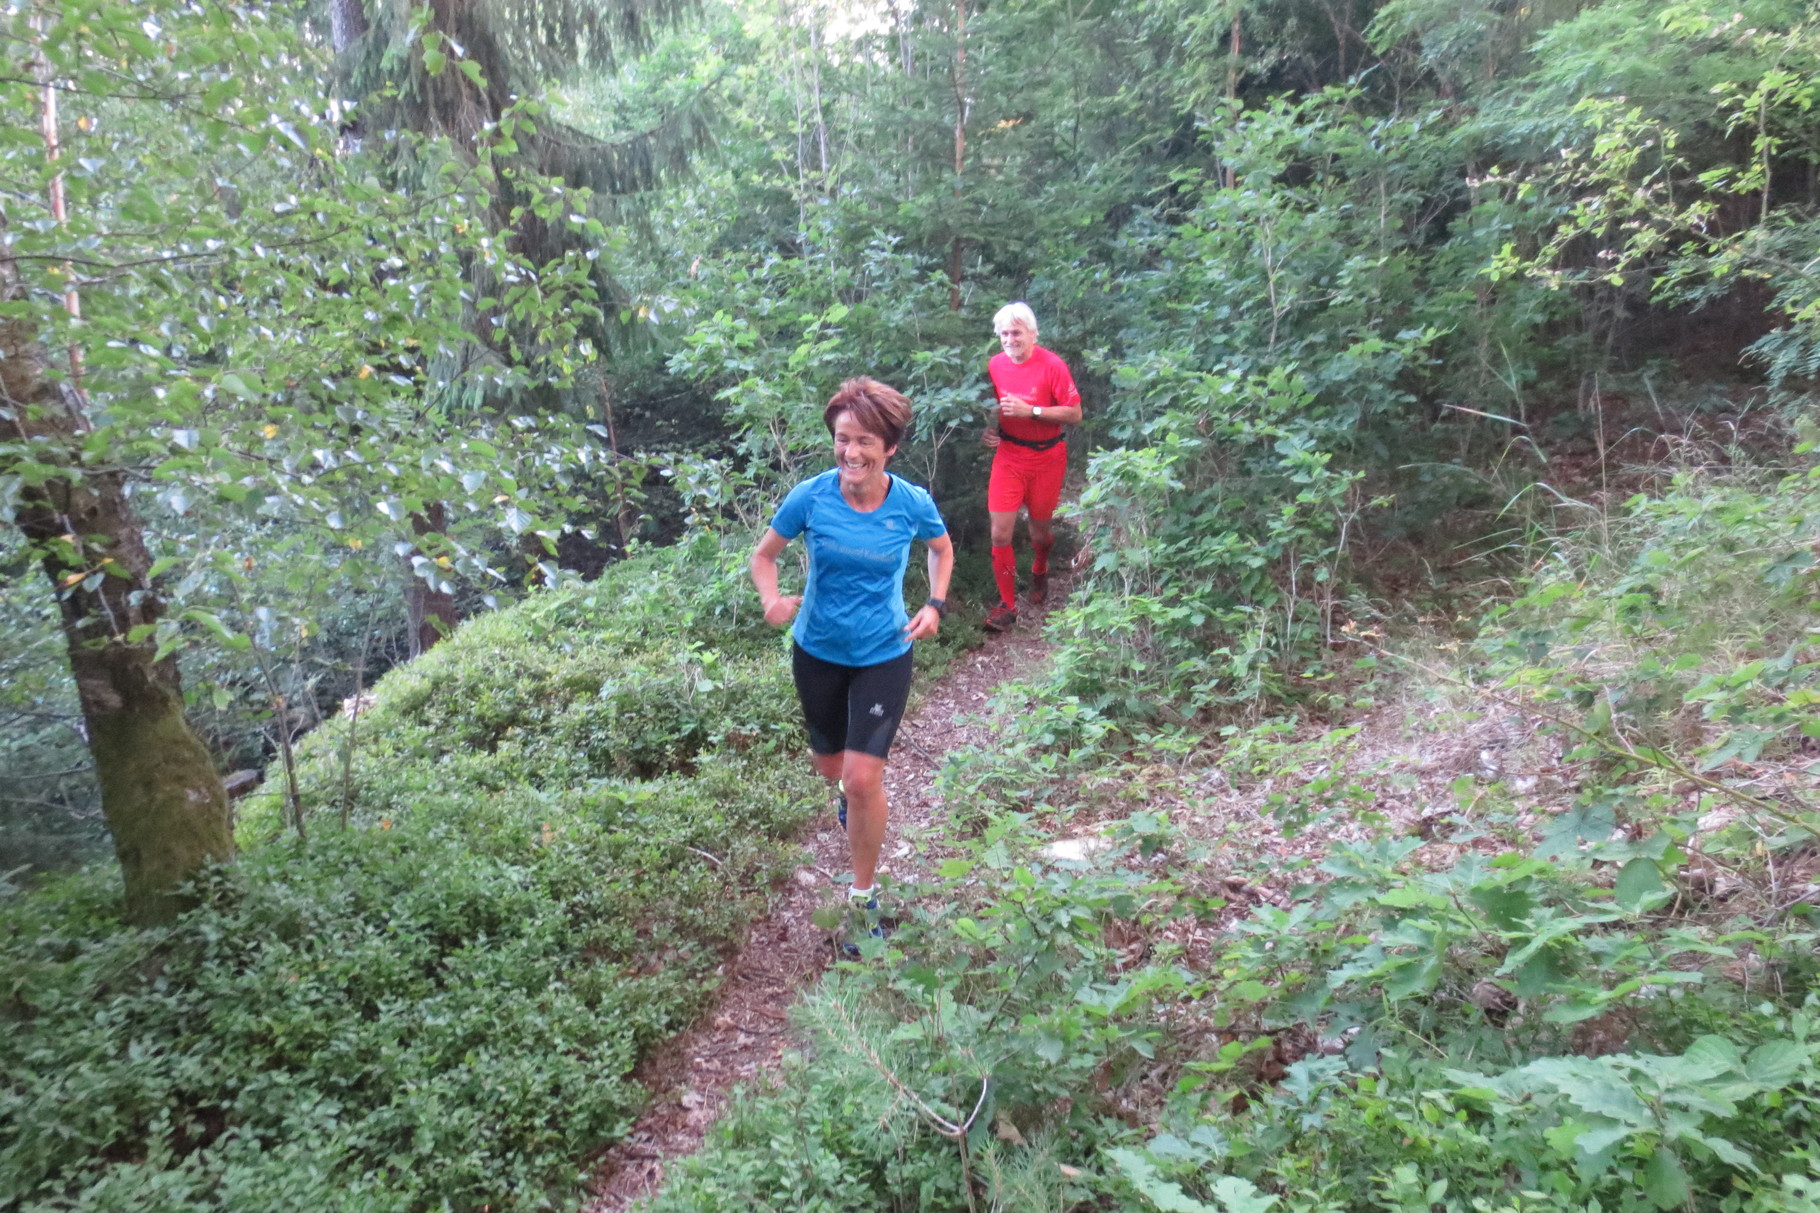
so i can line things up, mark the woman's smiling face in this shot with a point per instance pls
(860, 454)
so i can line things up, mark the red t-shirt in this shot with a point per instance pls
(1041, 379)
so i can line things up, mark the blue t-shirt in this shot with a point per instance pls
(853, 609)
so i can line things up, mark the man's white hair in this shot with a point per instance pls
(1014, 311)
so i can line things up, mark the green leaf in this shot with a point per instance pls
(1727, 1152)
(434, 61)
(1409, 897)
(1775, 1064)
(1506, 908)
(1239, 1195)
(1664, 1181)
(1639, 886)
(220, 630)
(1162, 1195)
(1414, 978)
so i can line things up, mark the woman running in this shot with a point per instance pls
(851, 642)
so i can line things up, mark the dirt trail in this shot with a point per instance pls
(691, 1077)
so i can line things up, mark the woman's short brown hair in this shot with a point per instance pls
(879, 409)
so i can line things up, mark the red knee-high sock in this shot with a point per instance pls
(1004, 571)
(1040, 562)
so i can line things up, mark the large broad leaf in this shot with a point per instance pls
(1238, 1195)
(1590, 823)
(1162, 1195)
(1664, 1182)
(1608, 1098)
(1640, 886)
(1775, 1064)
(1505, 907)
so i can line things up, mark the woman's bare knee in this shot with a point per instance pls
(863, 774)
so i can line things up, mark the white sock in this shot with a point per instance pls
(855, 891)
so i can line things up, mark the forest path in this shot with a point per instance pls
(692, 1076)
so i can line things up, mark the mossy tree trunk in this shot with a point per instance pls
(160, 791)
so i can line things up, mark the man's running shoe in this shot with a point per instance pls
(1001, 618)
(840, 804)
(1039, 589)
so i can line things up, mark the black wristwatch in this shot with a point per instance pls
(940, 605)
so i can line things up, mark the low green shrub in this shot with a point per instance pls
(560, 821)
(993, 1037)
(1599, 1000)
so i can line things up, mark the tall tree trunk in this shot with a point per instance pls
(432, 611)
(956, 247)
(160, 792)
(347, 21)
(816, 35)
(1227, 177)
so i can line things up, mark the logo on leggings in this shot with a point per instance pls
(878, 709)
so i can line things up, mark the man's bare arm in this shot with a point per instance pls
(1015, 406)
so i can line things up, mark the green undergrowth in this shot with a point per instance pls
(520, 869)
(1577, 976)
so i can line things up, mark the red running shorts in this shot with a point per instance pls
(1023, 477)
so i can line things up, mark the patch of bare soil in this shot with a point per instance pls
(692, 1076)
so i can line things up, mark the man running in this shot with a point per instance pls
(1036, 398)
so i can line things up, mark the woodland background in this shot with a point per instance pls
(1449, 367)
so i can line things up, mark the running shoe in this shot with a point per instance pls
(1039, 589)
(863, 916)
(840, 804)
(1001, 618)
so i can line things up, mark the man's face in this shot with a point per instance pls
(1018, 338)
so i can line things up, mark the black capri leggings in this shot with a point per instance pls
(851, 707)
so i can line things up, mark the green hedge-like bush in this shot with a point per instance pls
(561, 819)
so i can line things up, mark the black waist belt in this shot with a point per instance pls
(1041, 444)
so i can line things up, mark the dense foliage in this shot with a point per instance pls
(1502, 312)
(1595, 997)
(1327, 273)
(559, 820)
